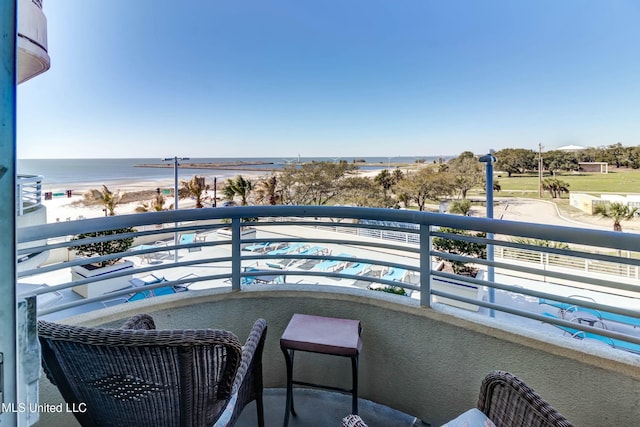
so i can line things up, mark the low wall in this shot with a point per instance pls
(425, 362)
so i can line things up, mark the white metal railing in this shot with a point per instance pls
(28, 193)
(549, 261)
(532, 291)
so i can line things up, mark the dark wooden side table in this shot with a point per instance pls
(325, 335)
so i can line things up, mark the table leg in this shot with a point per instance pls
(354, 391)
(288, 357)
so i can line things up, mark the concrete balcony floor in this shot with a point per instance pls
(318, 408)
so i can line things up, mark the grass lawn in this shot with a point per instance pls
(616, 181)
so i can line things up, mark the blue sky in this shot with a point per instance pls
(247, 78)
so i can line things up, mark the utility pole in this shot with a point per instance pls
(176, 165)
(540, 166)
(215, 191)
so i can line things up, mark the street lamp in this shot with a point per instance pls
(490, 159)
(175, 177)
(215, 190)
(175, 159)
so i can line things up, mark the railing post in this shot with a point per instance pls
(19, 203)
(8, 316)
(425, 265)
(236, 262)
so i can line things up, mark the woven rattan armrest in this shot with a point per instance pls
(508, 401)
(248, 382)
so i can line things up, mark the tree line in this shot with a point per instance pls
(336, 183)
(331, 183)
(521, 160)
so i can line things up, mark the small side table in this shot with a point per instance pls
(325, 335)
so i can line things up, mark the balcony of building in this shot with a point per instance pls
(33, 56)
(564, 317)
(29, 197)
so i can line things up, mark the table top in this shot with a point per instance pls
(317, 334)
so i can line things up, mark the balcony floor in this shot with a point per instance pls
(316, 408)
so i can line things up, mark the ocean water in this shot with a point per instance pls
(58, 172)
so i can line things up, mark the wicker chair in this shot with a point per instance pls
(140, 376)
(509, 402)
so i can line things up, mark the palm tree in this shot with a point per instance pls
(106, 197)
(238, 186)
(397, 176)
(555, 187)
(266, 191)
(616, 211)
(385, 180)
(195, 187)
(156, 205)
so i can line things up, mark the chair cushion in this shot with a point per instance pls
(472, 418)
(227, 414)
(353, 421)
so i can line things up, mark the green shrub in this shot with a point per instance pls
(460, 247)
(107, 247)
(392, 290)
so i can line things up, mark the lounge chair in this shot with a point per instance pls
(357, 269)
(150, 255)
(261, 277)
(257, 247)
(140, 376)
(331, 264)
(566, 308)
(506, 401)
(291, 249)
(287, 262)
(314, 250)
(189, 238)
(137, 285)
(613, 342)
(395, 274)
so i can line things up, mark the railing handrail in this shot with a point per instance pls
(208, 220)
(601, 238)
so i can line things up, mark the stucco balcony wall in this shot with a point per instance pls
(426, 362)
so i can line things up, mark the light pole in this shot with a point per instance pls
(175, 159)
(490, 159)
(215, 190)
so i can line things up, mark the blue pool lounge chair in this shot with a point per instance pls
(613, 342)
(257, 247)
(330, 264)
(604, 315)
(288, 249)
(185, 239)
(395, 274)
(148, 293)
(357, 269)
(314, 250)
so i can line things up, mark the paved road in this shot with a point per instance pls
(543, 212)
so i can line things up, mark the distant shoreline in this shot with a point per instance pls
(242, 165)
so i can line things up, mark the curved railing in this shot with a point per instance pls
(359, 247)
(28, 193)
